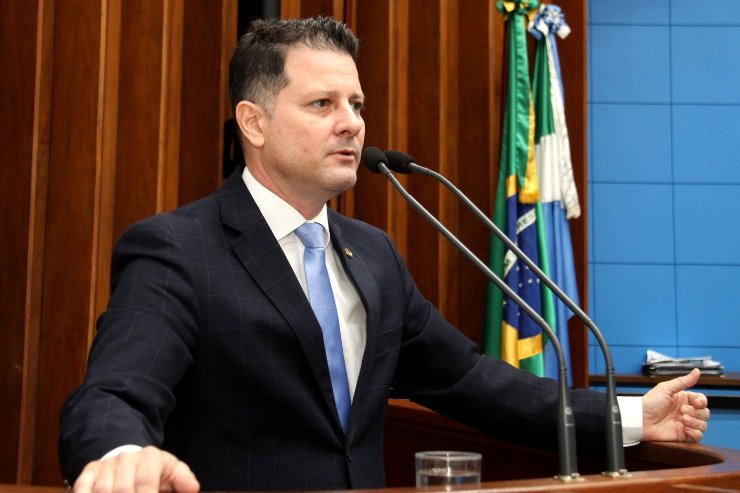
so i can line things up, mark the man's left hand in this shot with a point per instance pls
(671, 413)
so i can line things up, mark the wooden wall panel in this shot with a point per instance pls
(18, 26)
(93, 99)
(139, 109)
(69, 223)
(424, 73)
(381, 27)
(206, 49)
(478, 142)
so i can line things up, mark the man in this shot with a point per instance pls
(211, 355)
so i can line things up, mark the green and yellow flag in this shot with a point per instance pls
(511, 334)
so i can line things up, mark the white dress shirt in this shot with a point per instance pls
(283, 219)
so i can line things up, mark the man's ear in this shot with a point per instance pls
(250, 118)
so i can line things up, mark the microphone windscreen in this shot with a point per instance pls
(372, 157)
(399, 161)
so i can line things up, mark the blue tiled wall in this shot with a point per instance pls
(664, 184)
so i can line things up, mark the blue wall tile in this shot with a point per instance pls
(706, 144)
(643, 193)
(635, 304)
(708, 308)
(716, 13)
(626, 359)
(632, 223)
(628, 12)
(591, 237)
(629, 64)
(701, 67)
(595, 364)
(706, 229)
(631, 143)
(723, 429)
(728, 356)
(591, 308)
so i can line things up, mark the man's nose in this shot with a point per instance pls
(348, 120)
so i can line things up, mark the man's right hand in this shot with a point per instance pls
(147, 471)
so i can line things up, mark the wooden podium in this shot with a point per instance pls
(507, 467)
(653, 467)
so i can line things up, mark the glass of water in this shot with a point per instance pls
(447, 468)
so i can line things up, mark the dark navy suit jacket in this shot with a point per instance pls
(209, 349)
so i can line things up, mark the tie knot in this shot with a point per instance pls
(311, 235)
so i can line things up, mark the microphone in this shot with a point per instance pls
(377, 162)
(403, 163)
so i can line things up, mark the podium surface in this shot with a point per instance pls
(506, 466)
(687, 468)
(509, 467)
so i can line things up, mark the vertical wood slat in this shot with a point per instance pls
(448, 262)
(139, 112)
(206, 50)
(107, 134)
(479, 66)
(77, 170)
(169, 105)
(424, 83)
(370, 22)
(69, 222)
(19, 123)
(398, 115)
(290, 9)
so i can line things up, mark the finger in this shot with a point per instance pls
(176, 475)
(105, 476)
(693, 435)
(86, 479)
(125, 472)
(149, 470)
(182, 479)
(702, 413)
(697, 400)
(683, 382)
(694, 423)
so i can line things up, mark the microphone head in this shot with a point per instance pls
(399, 161)
(372, 157)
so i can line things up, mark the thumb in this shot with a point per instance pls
(681, 383)
(178, 476)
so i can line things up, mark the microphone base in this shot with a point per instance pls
(569, 477)
(622, 473)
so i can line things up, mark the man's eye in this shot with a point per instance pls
(358, 106)
(321, 103)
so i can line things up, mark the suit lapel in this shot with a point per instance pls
(261, 255)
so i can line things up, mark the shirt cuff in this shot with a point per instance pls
(120, 450)
(631, 410)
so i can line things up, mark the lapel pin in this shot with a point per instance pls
(348, 252)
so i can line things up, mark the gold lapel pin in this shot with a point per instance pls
(348, 252)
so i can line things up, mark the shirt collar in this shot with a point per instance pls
(281, 217)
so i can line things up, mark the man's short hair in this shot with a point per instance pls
(257, 67)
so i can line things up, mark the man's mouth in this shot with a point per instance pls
(346, 153)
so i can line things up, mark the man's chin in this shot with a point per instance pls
(344, 183)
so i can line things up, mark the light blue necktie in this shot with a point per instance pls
(322, 301)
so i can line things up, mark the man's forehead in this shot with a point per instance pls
(328, 65)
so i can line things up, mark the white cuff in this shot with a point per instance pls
(120, 450)
(631, 410)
